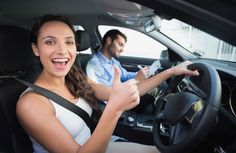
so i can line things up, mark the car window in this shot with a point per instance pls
(138, 44)
(197, 41)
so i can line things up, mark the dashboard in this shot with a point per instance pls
(224, 133)
(228, 92)
(227, 73)
(229, 96)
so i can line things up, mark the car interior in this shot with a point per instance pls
(83, 39)
(192, 115)
(13, 137)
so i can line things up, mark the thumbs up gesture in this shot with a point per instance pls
(124, 96)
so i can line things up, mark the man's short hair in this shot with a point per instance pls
(113, 34)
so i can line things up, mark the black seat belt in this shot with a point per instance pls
(59, 100)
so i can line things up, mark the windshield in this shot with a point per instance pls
(197, 41)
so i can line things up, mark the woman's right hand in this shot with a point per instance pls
(124, 96)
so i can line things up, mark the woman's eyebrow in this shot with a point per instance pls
(49, 37)
(69, 37)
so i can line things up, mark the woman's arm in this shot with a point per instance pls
(37, 116)
(103, 92)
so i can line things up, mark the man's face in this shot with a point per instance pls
(116, 46)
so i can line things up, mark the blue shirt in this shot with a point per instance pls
(101, 70)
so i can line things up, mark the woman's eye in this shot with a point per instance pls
(70, 43)
(49, 42)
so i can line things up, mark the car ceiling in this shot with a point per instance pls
(84, 12)
(217, 17)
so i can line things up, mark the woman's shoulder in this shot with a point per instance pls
(30, 101)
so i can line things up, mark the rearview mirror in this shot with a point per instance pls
(153, 23)
(149, 25)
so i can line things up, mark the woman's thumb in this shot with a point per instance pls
(116, 76)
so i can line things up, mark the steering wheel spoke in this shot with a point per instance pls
(178, 132)
(174, 134)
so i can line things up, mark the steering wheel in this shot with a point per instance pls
(186, 117)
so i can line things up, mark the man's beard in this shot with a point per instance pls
(112, 52)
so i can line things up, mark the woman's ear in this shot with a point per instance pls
(35, 49)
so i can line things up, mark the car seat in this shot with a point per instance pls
(16, 59)
(84, 43)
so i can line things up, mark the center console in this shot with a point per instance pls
(135, 127)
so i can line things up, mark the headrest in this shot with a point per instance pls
(83, 40)
(15, 49)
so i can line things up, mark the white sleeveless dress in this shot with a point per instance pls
(72, 122)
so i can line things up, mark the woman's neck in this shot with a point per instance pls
(56, 85)
(50, 82)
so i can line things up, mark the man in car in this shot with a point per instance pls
(100, 68)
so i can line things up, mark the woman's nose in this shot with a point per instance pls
(62, 48)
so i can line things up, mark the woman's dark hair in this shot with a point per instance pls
(113, 34)
(76, 80)
(44, 19)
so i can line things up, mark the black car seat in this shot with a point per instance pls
(84, 43)
(16, 59)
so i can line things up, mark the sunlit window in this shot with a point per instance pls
(138, 44)
(198, 41)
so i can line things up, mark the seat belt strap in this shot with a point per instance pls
(59, 100)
